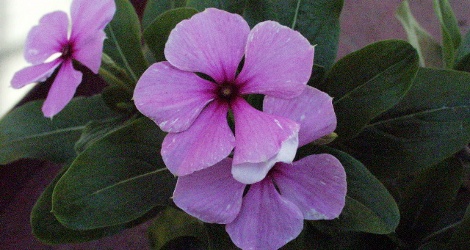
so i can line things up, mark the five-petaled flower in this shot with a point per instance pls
(272, 211)
(48, 46)
(274, 60)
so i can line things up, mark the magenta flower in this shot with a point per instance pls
(272, 211)
(277, 62)
(50, 40)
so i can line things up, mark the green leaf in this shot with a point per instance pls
(155, 8)
(114, 75)
(429, 51)
(123, 44)
(463, 55)
(461, 237)
(426, 199)
(317, 20)
(234, 6)
(115, 180)
(368, 82)
(26, 133)
(369, 206)
(431, 123)
(156, 34)
(174, 224)
(218, 237)
(451, 37)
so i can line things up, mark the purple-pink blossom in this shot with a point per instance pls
(272, 211)
(277, 62)
(49, 46)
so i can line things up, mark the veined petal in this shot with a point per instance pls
(35, 73)
(62, 90)
(260, 137)
(278, 61)
(47, 38)
(89, 51)
(208, 141)
(211, 42)
(266, 220)
(171, 97)
(90, 17)
(211, 195)
(316, 184)
(313, 110)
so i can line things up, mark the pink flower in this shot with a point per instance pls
(49, 40)
(277, 62)
(272, 211)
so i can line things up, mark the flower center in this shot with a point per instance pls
(227, 91)
(67, 51)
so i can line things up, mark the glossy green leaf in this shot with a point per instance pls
(114, 75)
(463, 55)
(155, 8)
(117, 179)
(173, 224)
(26, 133)
(368, 82)
(369, 206)
(461, 237)
(123, 43)
(156, 34)
(317, 20)
(429, 51)
(431, 123)
(426, 199)
(234, 6)
(451, 37)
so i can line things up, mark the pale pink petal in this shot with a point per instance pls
(211, 42)
(278, 61)
(266, 220)
(35, 73)
(211, 194)
(249, 173)
(90, 17)
(47, 38)
(313, 110)
(316, 184)
(260, 137)
(206, 142)
(89, 51)
(171, 97)
(62, 90)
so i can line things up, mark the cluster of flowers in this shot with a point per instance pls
(241, 175)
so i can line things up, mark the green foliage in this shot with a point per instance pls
(461, 237)
(26, 133)
(317, 20)
(115, 180)
(463, 55)
(155, 8)
(368, 82)
(451, 37)
(234, 6)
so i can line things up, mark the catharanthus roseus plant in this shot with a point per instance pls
(217, 125)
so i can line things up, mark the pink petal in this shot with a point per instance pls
(313, 110)
(259, 138)
(89, 51)
(90, 17)
(266, 220)
(171, 97)
(316, 184)
(206, 142)
(278, 61)
(47, 38)
(35, 73)
(211, 195)
(62, 90)
(211, 42)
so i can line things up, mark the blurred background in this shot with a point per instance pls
(16, 19)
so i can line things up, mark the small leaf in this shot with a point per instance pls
(451, 37)
(155, 8)
(169, 228)
(156, 34)
(317, 20)
(234, 6)
(117, 179)
(463, 55)
(429, 51)
(26, 133)
(369, 206)
(115, 75)
(368, 82)
(123, 44)
(431, 123)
